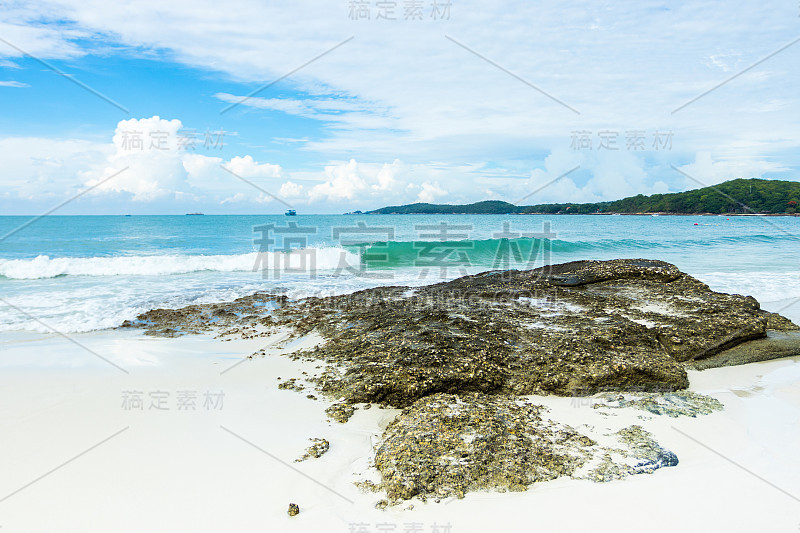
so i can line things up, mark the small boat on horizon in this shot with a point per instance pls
(291, 213)
(190, 214)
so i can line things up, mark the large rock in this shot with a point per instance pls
(458, 355)
(570, 329)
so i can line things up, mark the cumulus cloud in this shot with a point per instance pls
(370, 183)
(247, 167)
(342, 182)
(158, 165)
(430, 192)
(705, 170)
(290, 190)
(148, 149)
(403, 91)
(599, 176)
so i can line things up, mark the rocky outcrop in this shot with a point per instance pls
(570, 329)
(776, 344)
(447, 445)
(458, 356)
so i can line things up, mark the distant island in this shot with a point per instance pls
(740, 196)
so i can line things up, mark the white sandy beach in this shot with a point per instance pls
(229, 466)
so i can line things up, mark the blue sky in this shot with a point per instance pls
(486, 102)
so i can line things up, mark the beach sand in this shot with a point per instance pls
(78, 455)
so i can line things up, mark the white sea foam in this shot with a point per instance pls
(76, 303)
(763, 286)
(43, 267)
(84, 294)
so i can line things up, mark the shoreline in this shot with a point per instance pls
(190, 473)
(204, 430)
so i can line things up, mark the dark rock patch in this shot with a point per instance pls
(319, 448)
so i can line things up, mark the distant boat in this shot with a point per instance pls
(291, 213)
(189, 214)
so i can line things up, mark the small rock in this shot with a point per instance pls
(294, 509)
(341, 412)
(316, 450)
(291, 384)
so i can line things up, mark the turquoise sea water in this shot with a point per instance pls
(80, 273)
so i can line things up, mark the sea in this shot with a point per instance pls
(72, 274)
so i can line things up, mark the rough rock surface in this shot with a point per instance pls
(458, 355)
(447, 445)
(570, 329)
(319, 448)
(777, 343)
(341, 412)
(672, 404)
(648, 456)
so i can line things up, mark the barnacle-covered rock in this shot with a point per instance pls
(341, 412)
(458, 356)
(641, 455)
(316, 450)
(571, 329)
(291, 384)
(672, 404)
(447, 445)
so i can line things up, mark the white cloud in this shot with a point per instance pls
(158, 166)
(374, 184)
(402, 91)
(241, 198)
(246, 167)
(342, 182)
(601, 176)
(706, 171)
(148, 149)
(22, 27)
(620, 65)
(17, 84)
(290, 190)
(387, 176)
(430, 192)
(42, 168)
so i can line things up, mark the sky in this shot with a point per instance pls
(153, 107)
